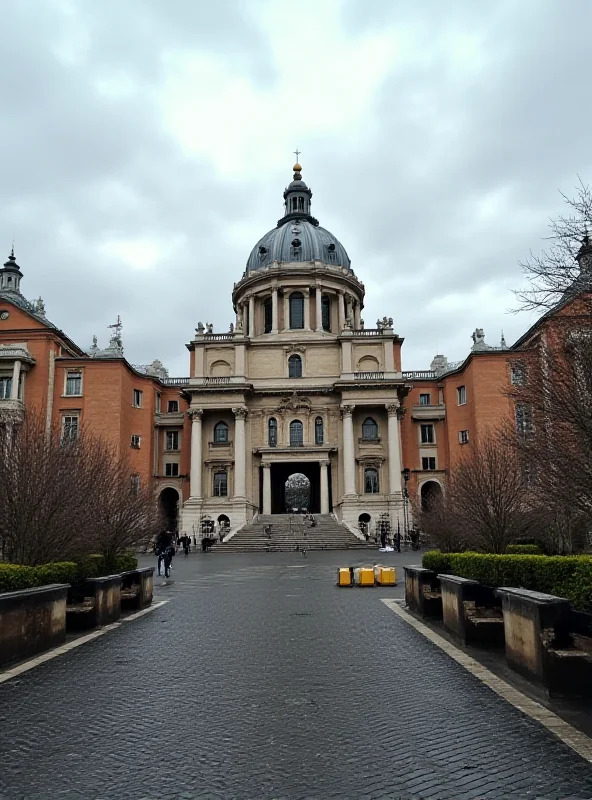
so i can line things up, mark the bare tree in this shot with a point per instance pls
(553, 436)
(488, 493)
(566, 264)
(440, 521)
(62, 499)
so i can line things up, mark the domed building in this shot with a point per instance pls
(298, 386)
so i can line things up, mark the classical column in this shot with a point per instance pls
(319, 309)
(341, 310)
(240, 415)
(394, 449)
(357, 317)
(306, 294)
(266, 487)
(324, 487)
(251, 316)
(274, 310)
(286, 311)
(196, 460)
(16, 374)
(349, 463)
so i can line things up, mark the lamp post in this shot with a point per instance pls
(406, 476)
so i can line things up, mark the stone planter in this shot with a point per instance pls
(471, 611)
(32, 620)
(136, 588)
(422, 592)
(94, 602)
(536, 630)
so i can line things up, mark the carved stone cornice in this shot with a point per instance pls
(195, 413)
(294, 403)
(294, 348)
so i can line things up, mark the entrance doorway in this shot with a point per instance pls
(168, 502)
(297, 493)
(431, 492)
(282, 489)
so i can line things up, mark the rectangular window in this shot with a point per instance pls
(137, 398)
(220, 484)
(172, 440)
(427, 434)
(158, 400)
(173, 406)
(326, 313)
(424, 399)
(518, 374)
(135, 441)
(74, 384)
(171, 469)
(5, 388)
(524, 424)
(461, 395)
(463, 437)
(296, 310)
(428, 462)
(70, 427)
(268, 315)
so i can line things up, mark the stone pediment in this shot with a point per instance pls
(294, 403)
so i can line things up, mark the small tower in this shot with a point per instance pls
(584, 256)
(10, 275)
(297, 196)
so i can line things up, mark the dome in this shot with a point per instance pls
(298, 240)
(298, 235)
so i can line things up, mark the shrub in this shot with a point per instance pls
(58, 572)
(563, 576)
(524, 550)
(14, 577)
(125, 562)
(436, 561)
(95, 566)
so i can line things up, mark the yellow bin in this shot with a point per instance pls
(343, 576)
(385, 576)
(365, 576)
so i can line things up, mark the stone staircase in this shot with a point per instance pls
(287, 532)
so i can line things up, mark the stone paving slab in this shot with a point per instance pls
(261, 679)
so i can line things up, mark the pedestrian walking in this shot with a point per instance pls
(185, 543)
(163, 541)
(168, 560)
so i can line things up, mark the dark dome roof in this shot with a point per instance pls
(298, 240)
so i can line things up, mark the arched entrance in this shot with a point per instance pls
(223, 523)
(297, 493)
(168, 503)
(281, 472)
(431, 491)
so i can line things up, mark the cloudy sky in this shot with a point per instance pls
(145, 145)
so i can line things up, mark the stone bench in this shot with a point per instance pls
(137, 587)
(471, 612)
(422, 592)
(540, 644)
(31, 621)
(94, 602)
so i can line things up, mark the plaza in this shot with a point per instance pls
(259, 678)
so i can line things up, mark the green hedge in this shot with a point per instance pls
(563, 576)
(95, 566)
(14, 577)
(524, 550)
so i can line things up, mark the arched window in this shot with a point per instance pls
(272, 432)
(221, 433)
(369, 430)
(296, 310)
(371, 481)
(294, 367)
(267, 315)
(326, 313)
(319, 430)
(296, 433)
(221, 483)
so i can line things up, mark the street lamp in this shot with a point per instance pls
(406, 476)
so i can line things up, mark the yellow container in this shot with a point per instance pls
(385, 576)
(343, 576)
(365, 576)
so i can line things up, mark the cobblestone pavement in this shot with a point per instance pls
(261, 679)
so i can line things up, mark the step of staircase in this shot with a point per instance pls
(290, 532)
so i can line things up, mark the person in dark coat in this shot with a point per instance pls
(163, 541)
